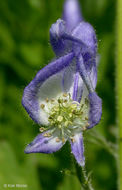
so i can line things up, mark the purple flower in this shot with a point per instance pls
(62, 98)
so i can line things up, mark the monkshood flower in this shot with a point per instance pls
(62, 98)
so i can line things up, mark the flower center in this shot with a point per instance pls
(66, 114)
(64, 111)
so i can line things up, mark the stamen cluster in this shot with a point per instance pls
(64, 113)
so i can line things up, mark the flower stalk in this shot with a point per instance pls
(119, 85)
(84, 179)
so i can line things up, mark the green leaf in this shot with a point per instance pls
(12, 172)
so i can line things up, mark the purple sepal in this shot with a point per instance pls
(85, 32)
(29, 100)
(78, 87)
(43, 144)
(72, 14)
(75, 89)
(92, 72)
(58, 44)
(84, 74)
(77, 148)
(91, 69)
(95, 111)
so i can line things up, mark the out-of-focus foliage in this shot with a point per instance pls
(24, 49)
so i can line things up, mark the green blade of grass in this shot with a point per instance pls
(119, 85)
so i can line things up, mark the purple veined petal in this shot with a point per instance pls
(81, 87)
(42, 144)
(47, 83)
(77, 148)
(68, 78)
(72, 79)
(72, 14)
(78, 87)
(93, 75)
(50, 89)
(75, 89)
(58, 44)
(84, 74)
(92, 71)
(85, 32)
(95, 111)
(88, 54)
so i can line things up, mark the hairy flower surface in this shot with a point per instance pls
(62, 98)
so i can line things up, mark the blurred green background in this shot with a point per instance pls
(25, 49)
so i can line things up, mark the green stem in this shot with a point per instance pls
(119, 85)
(83, 178)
